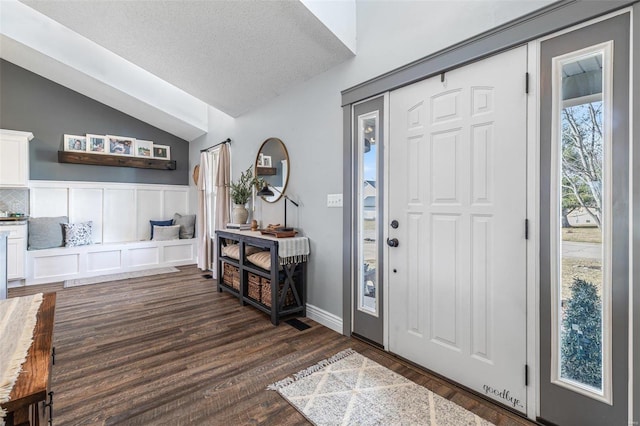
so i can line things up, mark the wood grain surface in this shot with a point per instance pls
(31, 385)
(169, 349)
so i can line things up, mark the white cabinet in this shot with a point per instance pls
(16, 246)
(14, 158)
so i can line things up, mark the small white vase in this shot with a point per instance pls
(239, 214)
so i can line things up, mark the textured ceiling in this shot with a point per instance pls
(233, 55)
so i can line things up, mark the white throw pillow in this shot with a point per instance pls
(165, 233)
(77, 234)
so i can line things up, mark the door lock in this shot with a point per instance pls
(394, 224)
(392, 242)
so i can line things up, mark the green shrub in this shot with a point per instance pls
(581, 346)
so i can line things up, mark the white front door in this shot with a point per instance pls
(457, 188)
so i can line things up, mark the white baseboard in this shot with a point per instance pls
(325, 318)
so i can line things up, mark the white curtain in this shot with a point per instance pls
(222, 181)
(213, 204)
(203, 231)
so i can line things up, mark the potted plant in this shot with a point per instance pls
(240, 191)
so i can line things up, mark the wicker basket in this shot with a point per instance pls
(255, 286)
(266, 293)
(231, 276)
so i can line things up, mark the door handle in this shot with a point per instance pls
(392, 242)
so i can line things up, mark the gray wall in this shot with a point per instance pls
(32, 103)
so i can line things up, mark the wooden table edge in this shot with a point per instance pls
(32, 383)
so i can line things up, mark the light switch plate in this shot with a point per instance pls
(334, 200)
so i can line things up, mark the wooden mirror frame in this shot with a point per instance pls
(262, 171)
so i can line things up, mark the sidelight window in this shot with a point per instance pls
(581, 193)
(368, 199)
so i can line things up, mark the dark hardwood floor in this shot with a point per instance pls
(169, 349)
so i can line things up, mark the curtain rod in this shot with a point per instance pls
(227, 140)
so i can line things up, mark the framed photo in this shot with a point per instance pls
(121, 145)
(266, 160)
(144, 148)
(75, 143)
(96, 143)
(260, 160)
(162, 152)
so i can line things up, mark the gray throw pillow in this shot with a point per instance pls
(165, 233)
(187, 224)
(46, 232)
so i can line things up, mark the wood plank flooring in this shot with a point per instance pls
(169, 349)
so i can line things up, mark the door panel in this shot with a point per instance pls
(457, 186)
(367, 289)
(584, 327)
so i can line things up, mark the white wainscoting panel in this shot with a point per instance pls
(86, 204)
(104, 261)
(53, 267)
(143, 256)
(119, 215)
(149, 208)
(179, 253)
(48, 201)
(120, 211)
(63, 263)
(175, 202)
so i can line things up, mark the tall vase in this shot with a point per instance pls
(239, 214)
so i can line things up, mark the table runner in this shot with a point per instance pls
(293, 250)
(17, 320)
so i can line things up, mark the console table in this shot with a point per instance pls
(285, 255)
(32, 385)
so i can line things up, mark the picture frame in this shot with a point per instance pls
(75, 143)
(144, 148)
(96, 144)
(162, 152)
(121, 145)
(266, 161)
(260, 160)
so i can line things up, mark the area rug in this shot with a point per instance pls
(121, 276)
(18, 317)
(349, 388)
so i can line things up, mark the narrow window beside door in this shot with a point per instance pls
(368, 138)
(581, 146)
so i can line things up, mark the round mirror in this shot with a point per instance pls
(272, 166)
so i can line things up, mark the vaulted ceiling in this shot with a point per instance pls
(232, 55)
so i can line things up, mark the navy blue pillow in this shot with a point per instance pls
(160, 223)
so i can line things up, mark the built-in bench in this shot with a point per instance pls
(63, 263)
(120, 214)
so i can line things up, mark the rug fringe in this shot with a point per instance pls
(309, 371)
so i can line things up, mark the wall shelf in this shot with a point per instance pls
(266, 171)
(114, 160)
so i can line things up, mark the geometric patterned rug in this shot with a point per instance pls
(119, 276)
(349, 388)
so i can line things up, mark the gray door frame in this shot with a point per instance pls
(545, 21)
(366, 326)
(556, 402)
